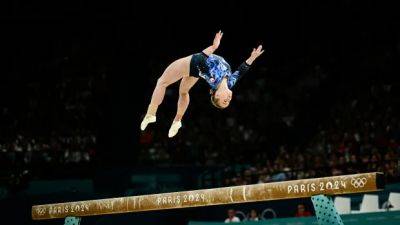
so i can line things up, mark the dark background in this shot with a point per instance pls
(125, 37)
(351, 48)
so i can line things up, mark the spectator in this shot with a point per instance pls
(232, 218)
(301, 211)
(253, 215)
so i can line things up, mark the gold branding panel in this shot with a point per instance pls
(346, 184)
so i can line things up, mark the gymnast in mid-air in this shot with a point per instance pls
(206, 65)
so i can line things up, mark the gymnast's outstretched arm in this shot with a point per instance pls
(245, 66)
(217, 40)
(255, 54)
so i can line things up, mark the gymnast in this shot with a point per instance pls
(206, 65)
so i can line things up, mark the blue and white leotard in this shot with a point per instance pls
(214, 68)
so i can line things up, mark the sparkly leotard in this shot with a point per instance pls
(214, 68)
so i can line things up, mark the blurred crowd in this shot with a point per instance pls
(315, 126)
(289, 121)
(51, 122)
(361, 134)
(74, 148)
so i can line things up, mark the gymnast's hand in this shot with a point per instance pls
(255, 54)
(217, 39)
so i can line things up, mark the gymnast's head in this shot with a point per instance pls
(221, 97)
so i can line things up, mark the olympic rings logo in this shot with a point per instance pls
(41, 211)
(358, 182)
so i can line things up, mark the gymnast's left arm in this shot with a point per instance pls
(245, 66)
(217, 40)
(255, 54)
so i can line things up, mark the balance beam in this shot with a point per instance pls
(347, 184)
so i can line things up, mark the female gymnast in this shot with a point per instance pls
(212, 68)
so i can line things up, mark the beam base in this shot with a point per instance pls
(325, 210)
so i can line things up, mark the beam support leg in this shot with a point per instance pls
(325, 210)
(71, 220)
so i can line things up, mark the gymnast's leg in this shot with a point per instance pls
(174, 72)
(183, 103)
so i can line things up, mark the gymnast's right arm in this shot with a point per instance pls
(217, 40)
